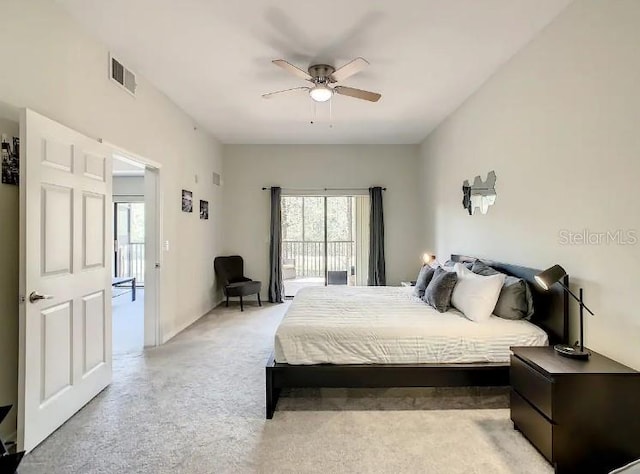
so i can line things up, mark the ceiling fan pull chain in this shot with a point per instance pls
(330, 114)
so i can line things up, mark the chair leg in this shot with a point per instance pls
(227, 301)
(241, 304)
(259, 302)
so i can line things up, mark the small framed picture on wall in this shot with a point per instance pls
(187, 201)
(204, 209)
(10, 161)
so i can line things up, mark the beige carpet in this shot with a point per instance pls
(196, 405)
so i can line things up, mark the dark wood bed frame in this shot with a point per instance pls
(551, 314)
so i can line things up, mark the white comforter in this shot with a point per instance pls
(387, 325)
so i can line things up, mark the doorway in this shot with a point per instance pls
(324, 241)
(134, 323)
(65, 276)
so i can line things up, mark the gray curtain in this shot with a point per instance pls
(377, 276)
(275, 248)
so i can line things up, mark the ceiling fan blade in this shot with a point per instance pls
(296, 71)
(349, 69)
(358, 93)
(271, 94)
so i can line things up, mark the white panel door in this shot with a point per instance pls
(65, 275)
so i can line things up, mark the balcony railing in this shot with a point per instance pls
(308, 257)
(131, 262)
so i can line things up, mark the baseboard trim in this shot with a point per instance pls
(167, 337)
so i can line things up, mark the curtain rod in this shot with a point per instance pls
(323, 189)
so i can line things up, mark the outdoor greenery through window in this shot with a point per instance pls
(340, 219)
(306, 257)
(303, 218)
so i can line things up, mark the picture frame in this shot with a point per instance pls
(204, 210)
(10, 158)
(187, 201)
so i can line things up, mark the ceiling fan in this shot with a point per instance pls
(323, 76)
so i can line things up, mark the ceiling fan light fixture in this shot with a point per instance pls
(321, 93)
(322, 76)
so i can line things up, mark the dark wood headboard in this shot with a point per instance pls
(551, 308)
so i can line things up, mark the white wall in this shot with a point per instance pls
(127, 186)
(53, 66)
(8, 290)
(247, 168)
(559, 125)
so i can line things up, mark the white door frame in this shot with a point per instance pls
(153, 256)
(153, 240)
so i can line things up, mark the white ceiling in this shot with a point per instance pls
(213, 58)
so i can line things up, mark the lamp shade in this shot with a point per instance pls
(321, 93)
(550, 276)
(427, 258)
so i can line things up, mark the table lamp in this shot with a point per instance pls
(548, 278)
(428, 259)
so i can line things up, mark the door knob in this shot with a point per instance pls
(35, 296)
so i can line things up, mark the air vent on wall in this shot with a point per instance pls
(122, 76)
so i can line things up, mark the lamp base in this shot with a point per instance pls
(572, 352)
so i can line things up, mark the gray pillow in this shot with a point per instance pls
(439, 290)
(424, 278)
(449, 264)
(515, 300)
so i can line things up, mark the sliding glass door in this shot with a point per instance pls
(322, 241)
(340, 241)
(128, 258)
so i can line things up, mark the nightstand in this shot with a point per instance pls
(583, 416)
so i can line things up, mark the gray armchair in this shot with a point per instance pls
(230, 272)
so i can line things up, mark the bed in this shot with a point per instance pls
(388, 325)
(384, 337)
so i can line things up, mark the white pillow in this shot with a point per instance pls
(476, 295)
